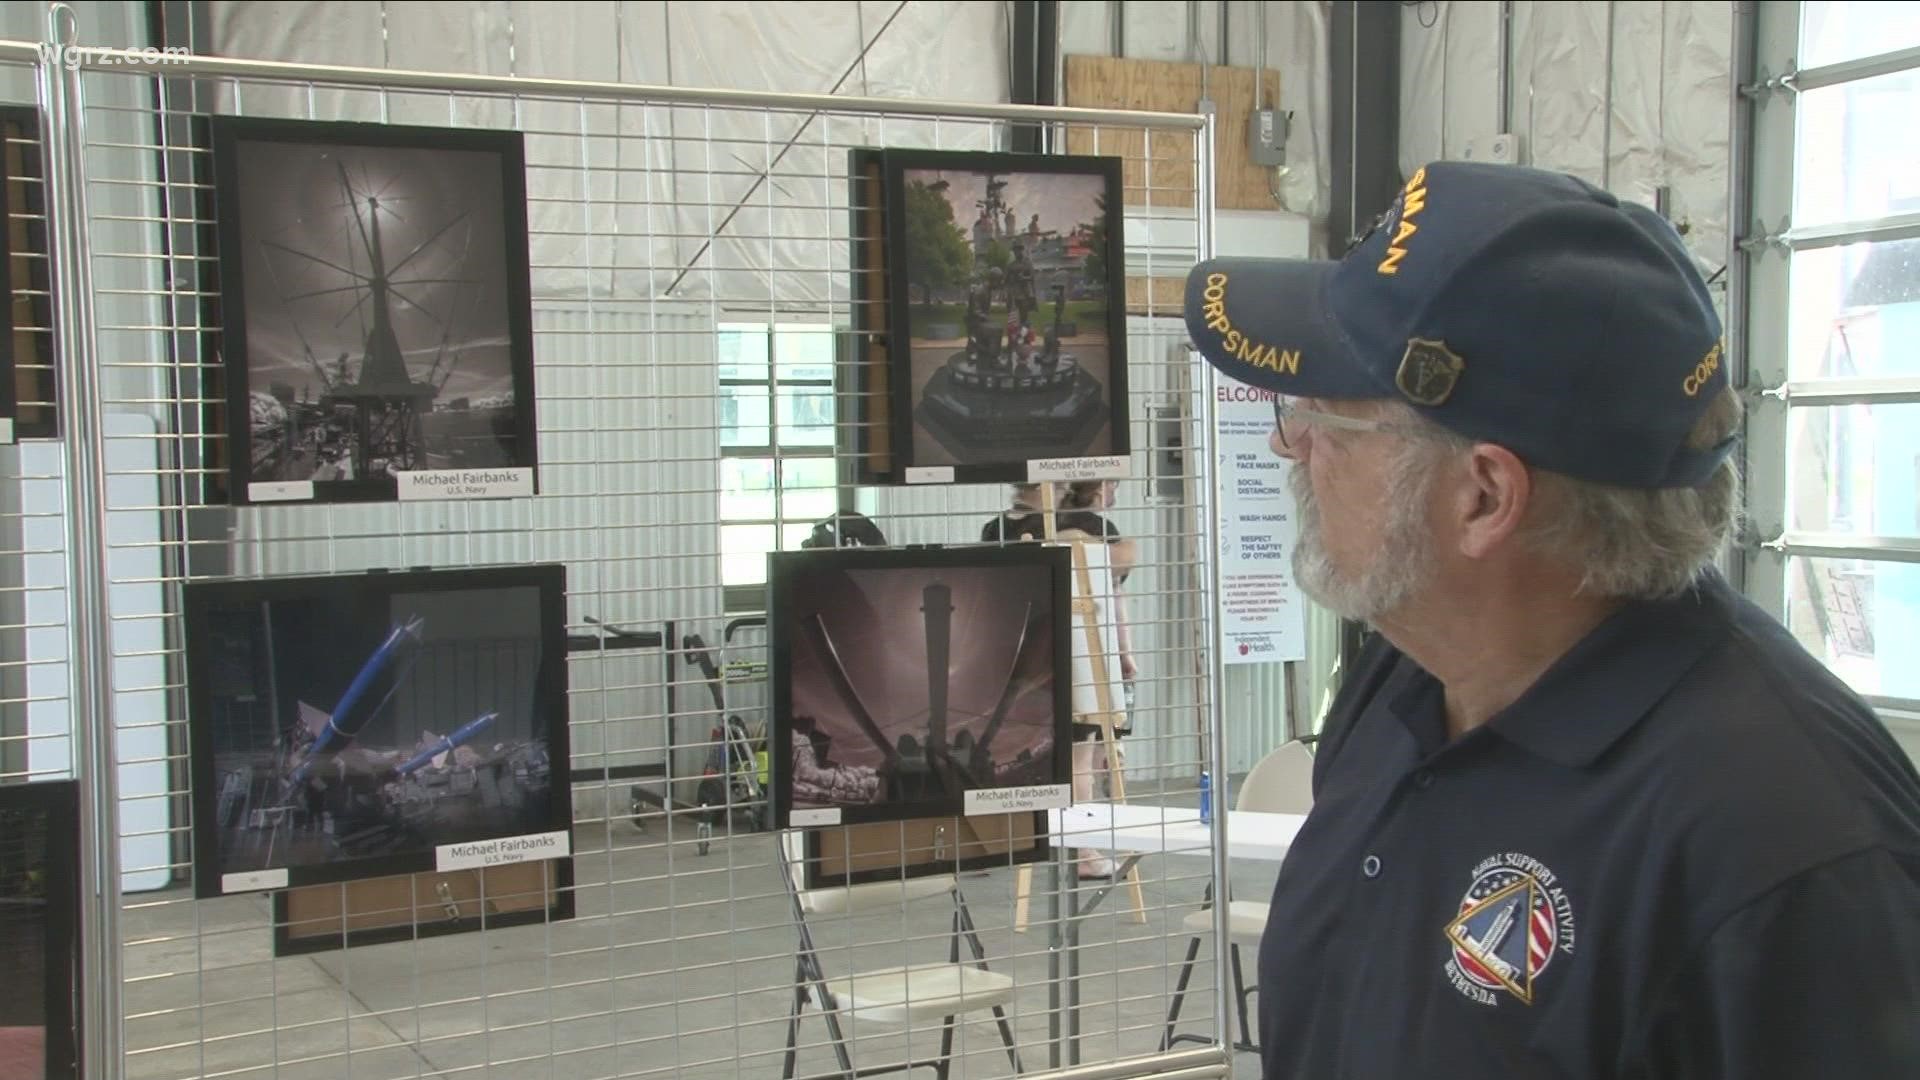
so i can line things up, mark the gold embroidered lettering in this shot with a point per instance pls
(1413, 200)
(1236, 344)
(1703, 372)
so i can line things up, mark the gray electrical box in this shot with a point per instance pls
(1267, 136)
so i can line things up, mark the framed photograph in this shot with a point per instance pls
(1005, 297)
(354, 726)
(39, 931)
(375, 305)
(903, 679)
(27, 381)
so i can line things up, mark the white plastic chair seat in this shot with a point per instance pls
(873, 894)
(1246, 920)
(929, 991)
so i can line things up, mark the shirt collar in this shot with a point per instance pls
(1599, 689)
(1602, 687)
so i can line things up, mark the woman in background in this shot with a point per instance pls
(1076, 516)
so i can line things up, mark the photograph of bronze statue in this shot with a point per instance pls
(1007, 277)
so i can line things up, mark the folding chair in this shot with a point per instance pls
(1280, 783)
(900, 995)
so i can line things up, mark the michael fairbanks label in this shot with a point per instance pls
(1015, 800)
(254, 880)
(801, 819)
(500, 852)
(280, 491)
(465, 484)
(1069, 469)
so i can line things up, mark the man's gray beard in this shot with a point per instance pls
(1397, 569)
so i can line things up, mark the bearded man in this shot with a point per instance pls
(1581, 809)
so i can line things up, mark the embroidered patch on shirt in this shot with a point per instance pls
(1513, 920)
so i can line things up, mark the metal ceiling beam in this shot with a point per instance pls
(1365, 70)
(1364, 44)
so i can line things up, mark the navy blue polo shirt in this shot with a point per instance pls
(1688, 851)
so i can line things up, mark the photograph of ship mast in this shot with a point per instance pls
(902, 679)
(374, 301)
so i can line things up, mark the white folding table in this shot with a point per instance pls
(1131, 831)
(1173, 830)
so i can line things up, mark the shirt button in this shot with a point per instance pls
(1423, 779)
(1370, 866)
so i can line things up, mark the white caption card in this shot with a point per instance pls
(280, 491)
(1068, 470)
(465, 484)
(500, 852)
(254, 880)
(1017, 800)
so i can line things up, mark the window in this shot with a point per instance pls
(1834, 318)
(778, 475)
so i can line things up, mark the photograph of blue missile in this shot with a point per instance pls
(356, 723)
(347, 717)
(446, 745)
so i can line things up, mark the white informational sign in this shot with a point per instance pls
(1069, 470)
(1019, 800)
(929, 474)
(1262, 618)
(504, 850)
(505, 483)
(801, 819)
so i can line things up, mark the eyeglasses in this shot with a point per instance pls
(1292, 421)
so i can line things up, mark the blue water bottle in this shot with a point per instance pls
(1206, 798)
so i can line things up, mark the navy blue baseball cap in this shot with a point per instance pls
(1510, 304)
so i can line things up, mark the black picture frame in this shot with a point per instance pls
(348, 597)
(1053, 653)
(866, 437)
(53, 806)
(1078, 410)
(28, 373)
(491, 163)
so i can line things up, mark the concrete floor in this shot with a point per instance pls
(677, 965)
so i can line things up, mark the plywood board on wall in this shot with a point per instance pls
(1159, 162)
(1163, 296)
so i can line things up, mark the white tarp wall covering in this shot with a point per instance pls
(1632, 96)
(703, 159)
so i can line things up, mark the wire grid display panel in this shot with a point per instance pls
(652, 226)
(35, 733)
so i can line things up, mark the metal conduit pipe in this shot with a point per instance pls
(89, 638)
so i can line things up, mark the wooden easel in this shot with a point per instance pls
(1085, 606)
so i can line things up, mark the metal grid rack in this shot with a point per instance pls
(657, 215)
